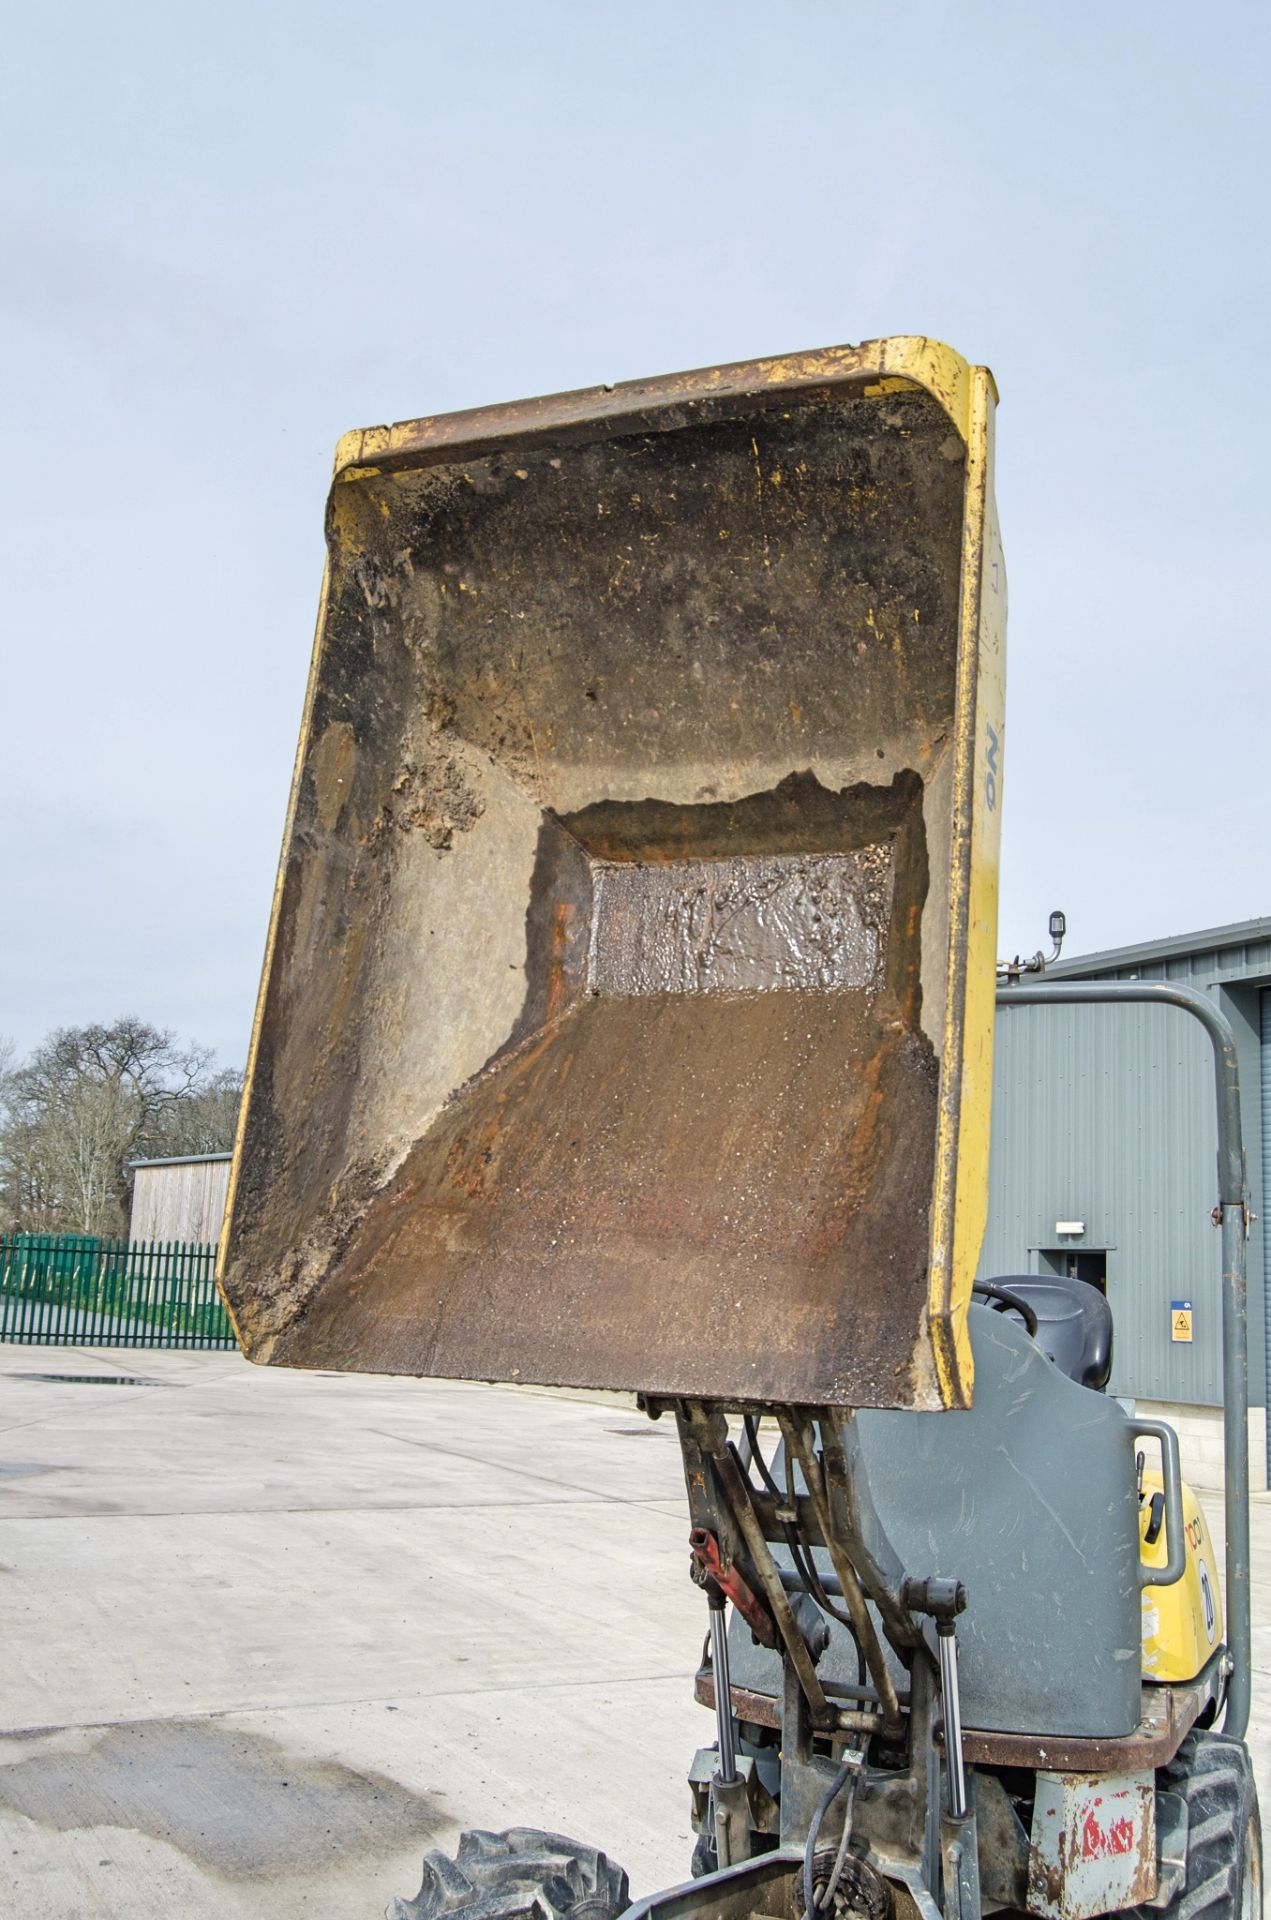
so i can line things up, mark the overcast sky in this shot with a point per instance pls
(232, 232)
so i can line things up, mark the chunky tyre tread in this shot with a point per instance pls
(523, 1874)
(1214, 1775)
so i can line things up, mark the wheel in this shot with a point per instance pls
(504, 1876)
(1214, 1775)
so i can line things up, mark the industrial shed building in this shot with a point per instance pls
(1104, 1150)
(181, 1199)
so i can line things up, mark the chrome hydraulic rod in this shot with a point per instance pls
(951, 1706)
(1232, 1214)
(729, 1798)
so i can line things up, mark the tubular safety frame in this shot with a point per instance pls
(1233, 1210)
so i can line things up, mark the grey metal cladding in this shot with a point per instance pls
(1105, 1115)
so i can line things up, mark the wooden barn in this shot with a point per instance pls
(181, 1199)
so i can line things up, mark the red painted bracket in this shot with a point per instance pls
(709, 1568)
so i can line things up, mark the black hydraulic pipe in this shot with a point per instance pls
(1233, 1216)
(723, 1696)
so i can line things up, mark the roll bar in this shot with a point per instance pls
(1232, 1213)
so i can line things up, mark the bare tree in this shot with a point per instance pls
(89, 1101)
(8, 1205)
(205, 1121)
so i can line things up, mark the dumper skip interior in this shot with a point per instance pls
(627, 1014)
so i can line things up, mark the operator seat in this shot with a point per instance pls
(1029, 1496)
(1074, 1322)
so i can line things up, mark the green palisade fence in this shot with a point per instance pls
(72, 1290)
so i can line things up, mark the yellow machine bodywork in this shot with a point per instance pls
(1182, 1623)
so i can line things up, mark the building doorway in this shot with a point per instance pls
(1076, 1263)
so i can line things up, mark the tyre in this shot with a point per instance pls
(519, 1875)
(1213, 1774)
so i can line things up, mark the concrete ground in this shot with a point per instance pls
(268, 1636)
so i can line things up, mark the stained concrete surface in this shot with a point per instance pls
(268, 1636)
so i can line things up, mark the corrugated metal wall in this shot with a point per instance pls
(1107, 1118)
(179, 1200)
(1106, 1115)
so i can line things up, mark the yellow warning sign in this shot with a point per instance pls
(1180, 1320)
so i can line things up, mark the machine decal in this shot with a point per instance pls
(1092, 1848)
(1207, 1595)
(1115, 1836)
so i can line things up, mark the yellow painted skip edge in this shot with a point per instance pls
(911, 358)
(979, 1009)
(960, 1199)
(960, 1196)
(271, 941)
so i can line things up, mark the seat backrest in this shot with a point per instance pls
(1028, 1496)
(1074, 1323)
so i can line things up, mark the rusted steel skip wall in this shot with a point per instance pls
(607, 1034)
